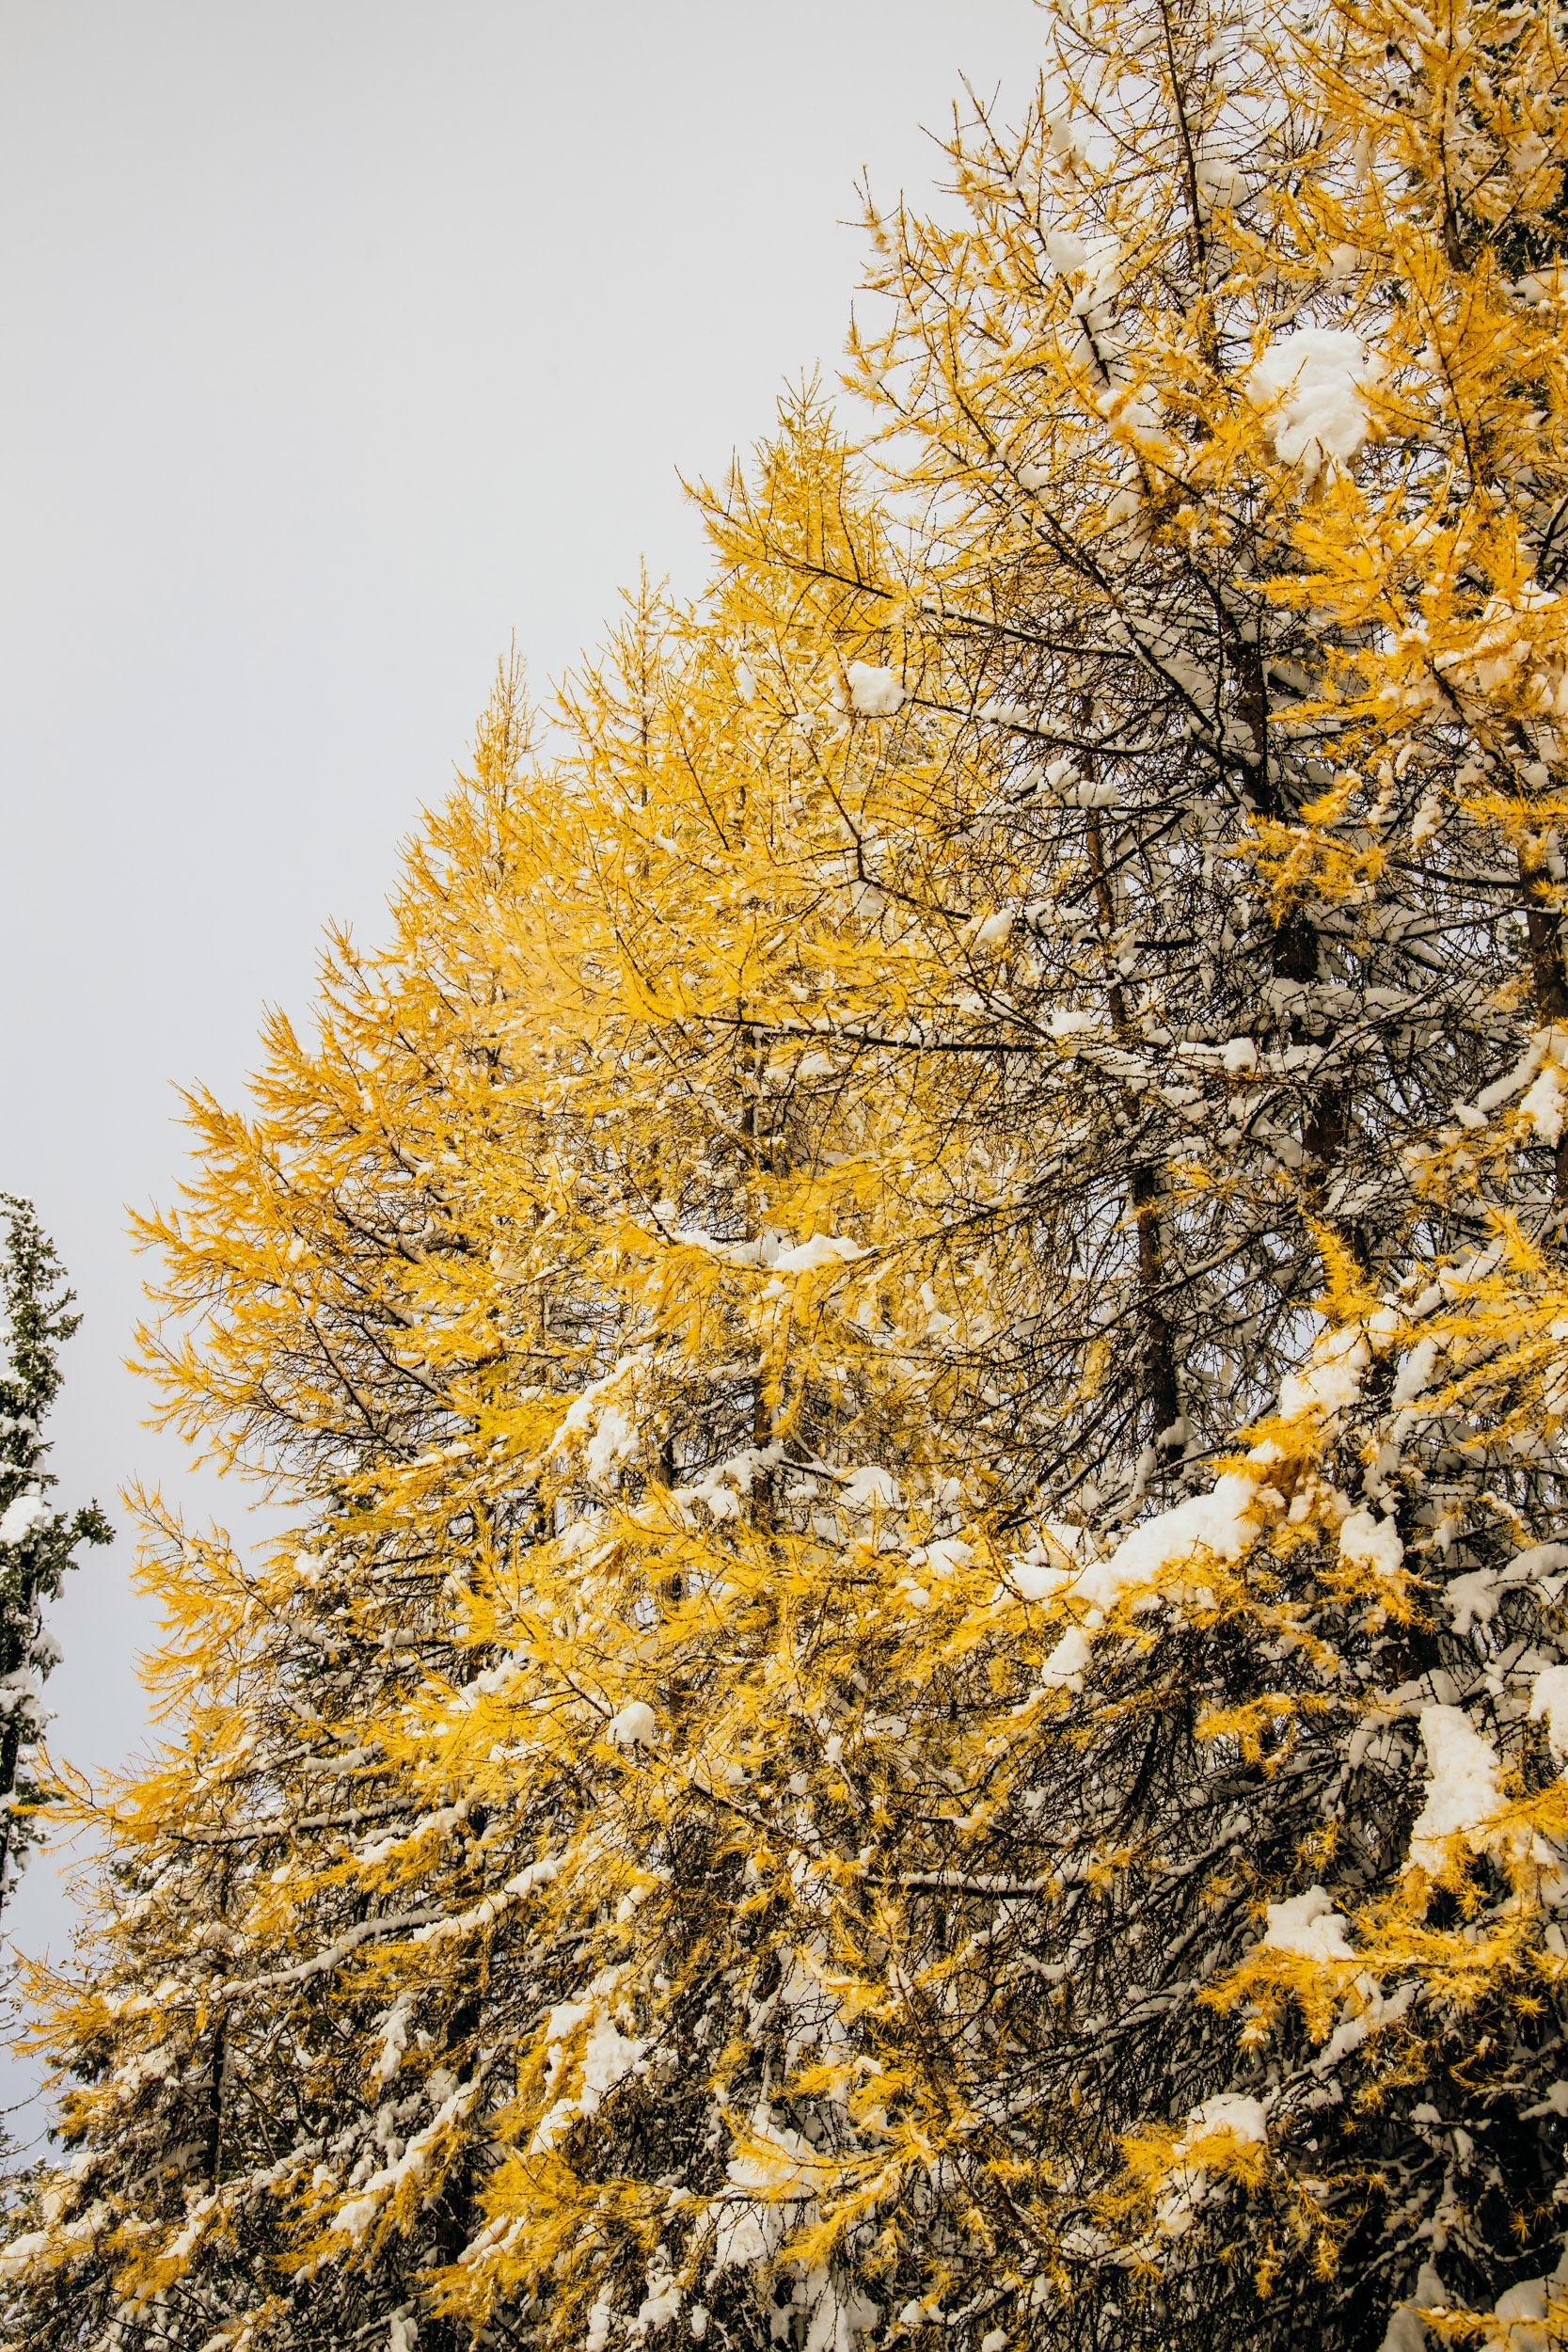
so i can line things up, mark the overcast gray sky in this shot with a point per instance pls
(343, 338)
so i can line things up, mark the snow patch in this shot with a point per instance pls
(874, 693)
(603, 1418)
(1223, 1522)
(394, 2038)
(770, 1249)
(821, 1249)
(1313, 385)
(720, 1490)
(1529, 2321)
(1407, 2331)
(1543, 1106)
(1309, 1926)
(1331, 1378)
(355, 2219)
(608, 2056)
(767, 2188)
(1471, 1599)
(1548, 1704)
(1055, 1558)
(1228, 2112)
(23, 1517)
(871, 1489)
(1373, 1541)
(1464, 1791)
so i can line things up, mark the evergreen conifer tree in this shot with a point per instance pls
(37, 1542)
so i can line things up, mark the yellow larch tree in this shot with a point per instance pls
(517, 1778)
(1236, 404)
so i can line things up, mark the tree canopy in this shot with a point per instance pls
(914, 1324)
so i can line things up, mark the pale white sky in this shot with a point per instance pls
(342, 339)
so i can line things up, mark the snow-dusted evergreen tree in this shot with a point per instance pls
(37, 1543)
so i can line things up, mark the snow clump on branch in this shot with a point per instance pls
(1316, 381)
(874, 693)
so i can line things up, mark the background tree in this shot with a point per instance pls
(38, 1544)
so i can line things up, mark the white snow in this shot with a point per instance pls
(1476, 1265)
(1065, 1668)
(1542, 1046)
(765, 2189)
(943, 1558)
(871, 1489)
(1220, 182)
(1465, 1791)
(1186, 2187)
(608, 2056)
(1471, 1599)
(611, 1442)
(1526, 2311)
(1039, 1580)
(1373, 1540)
(1415, 1372)
(1308, 1925)
(1073, 1023)
(1122, 408)
(1377, 2013)
(27, 1514)
(1429, 819)
(634, 1727)
(1536, 1566)
(722, 1485)
(821, 1249)
(1333, 1377)
(1053, 1560)
(1543, 1106)
(769, 1249)
(1230, 2111)
(394, 2038)
(603, 1421)
(356, 2216)
(1313, 382)
(1239, 1054)
(1548, 1704)
(1406, 2332)
(1222, 1522)
(874, 693)
(661, 2306)
(542, 1873)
